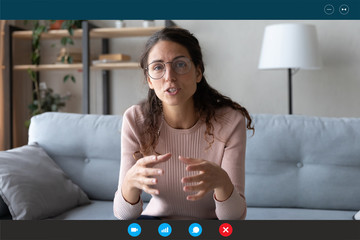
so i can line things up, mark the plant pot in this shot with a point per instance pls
(56, 25)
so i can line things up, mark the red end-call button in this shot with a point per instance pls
(225, 230)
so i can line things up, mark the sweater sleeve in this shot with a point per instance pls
(233, 163)
(129, 145)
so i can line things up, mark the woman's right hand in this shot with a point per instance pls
(141, 176)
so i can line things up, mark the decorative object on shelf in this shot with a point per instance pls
(68, 57)
(69, 25)
(148, 23)
(112, 58)
(115, 56)
(120, 24)
(290, 46)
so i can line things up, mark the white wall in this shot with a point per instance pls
(231, 51)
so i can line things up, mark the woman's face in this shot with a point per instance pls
(173, 89)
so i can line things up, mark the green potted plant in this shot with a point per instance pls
(69, 25)
(44, 99)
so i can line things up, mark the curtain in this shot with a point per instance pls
(2, 69)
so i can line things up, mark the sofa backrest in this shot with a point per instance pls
(291, 161)
(305, 162)
(86, 147)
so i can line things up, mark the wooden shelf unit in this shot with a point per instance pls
(44, 67)
(78, 66)
(86, 33)
(94, 33)
(51, 34)
(113, 66)
(122, 32)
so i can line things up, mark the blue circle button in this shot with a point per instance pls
(195, 229)
(329, 9)
(134, 229)
(344, 9)
(164, 229)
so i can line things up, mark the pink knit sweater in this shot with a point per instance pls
(228, 151)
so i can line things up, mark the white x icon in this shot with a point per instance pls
(225, 229)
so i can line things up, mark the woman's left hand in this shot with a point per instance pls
(211, 177)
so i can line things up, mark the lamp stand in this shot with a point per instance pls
(290, 90)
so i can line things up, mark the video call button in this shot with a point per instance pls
(134, 229)
(225, 229)
(344, 9)
(165, 229)
(329, 9)
(195, 229)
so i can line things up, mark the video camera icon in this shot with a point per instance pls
(134, 229)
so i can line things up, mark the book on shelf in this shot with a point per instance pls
(115, 57)
(105, 61)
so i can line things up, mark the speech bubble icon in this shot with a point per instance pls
(195, 230)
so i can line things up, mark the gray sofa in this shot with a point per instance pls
(297, 167)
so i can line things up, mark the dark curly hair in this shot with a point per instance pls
(206, 99)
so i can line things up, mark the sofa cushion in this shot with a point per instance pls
(297, 214)
(357, 216)
(34, 187)
(86, 147)
(96, 210)
(303, 162)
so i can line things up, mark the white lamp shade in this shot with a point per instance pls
(290, 46)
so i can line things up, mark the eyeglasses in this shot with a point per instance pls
(181, 65)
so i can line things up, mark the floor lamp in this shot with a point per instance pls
(290, 46)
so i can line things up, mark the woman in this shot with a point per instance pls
(185, 144)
